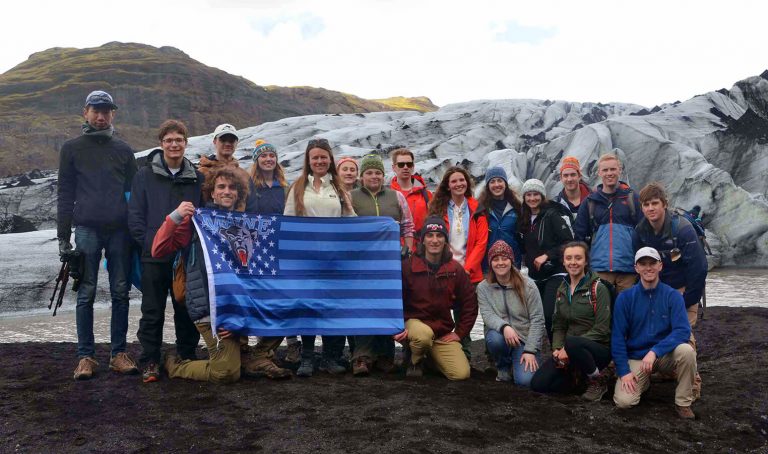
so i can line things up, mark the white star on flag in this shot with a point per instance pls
(218, 265)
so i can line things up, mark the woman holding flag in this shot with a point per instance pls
(318, 192)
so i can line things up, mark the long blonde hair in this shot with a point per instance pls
(300, 185)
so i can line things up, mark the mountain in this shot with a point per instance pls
(41, 99)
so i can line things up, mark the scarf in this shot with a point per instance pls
(89, 130)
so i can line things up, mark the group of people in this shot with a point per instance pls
(462, 256)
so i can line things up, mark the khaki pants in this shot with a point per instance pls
(622, 281)
(447, 356)
(681, 361)
(223, 365)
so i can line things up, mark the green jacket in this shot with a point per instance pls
(383, 203)
(575, 315)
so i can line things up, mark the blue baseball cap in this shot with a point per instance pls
(100, 98)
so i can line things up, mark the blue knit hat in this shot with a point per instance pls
(262, 147)
(496, 172)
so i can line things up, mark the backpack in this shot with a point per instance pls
(593, 294)
(695, 222)
(591, 209)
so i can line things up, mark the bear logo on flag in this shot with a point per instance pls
(240, 242)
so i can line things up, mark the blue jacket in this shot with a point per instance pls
(269, 200)
(645, 320)
(503, 229)
(610, 228)
(690, 270)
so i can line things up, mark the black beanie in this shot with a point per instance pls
(434, 224)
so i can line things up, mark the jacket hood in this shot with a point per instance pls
(159, 167)
(418, 184)
(622, 190)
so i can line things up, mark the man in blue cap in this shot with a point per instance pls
(95, 172)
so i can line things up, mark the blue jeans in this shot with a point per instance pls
(116, 245)
(507, 357)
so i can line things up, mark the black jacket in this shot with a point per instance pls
(549, 232)
(155, 193)
(95, 172)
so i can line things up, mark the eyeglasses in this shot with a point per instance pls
(178, 140)
(318, 142)
(402, 165)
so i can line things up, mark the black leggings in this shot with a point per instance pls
(584, 357)
(548, 292)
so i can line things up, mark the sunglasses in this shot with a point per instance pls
(402, 165)
(318, 142)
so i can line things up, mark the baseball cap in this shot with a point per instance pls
(100, 98)
(222, 130)
(647, 252)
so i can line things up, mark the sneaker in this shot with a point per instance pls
(597, 387)
(503, 375)
(360, 366)
(122, 363)
(151, 372)
(332, 366)
(293, 353)
(84, 369)
(306, 368)
(685, 412)
(415, 370)
(385, 364)
(265, 368)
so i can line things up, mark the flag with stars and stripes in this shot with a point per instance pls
(280, 275)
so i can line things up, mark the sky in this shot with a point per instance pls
(648, 53)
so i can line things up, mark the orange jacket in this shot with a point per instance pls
(477, 240)
(418, 198)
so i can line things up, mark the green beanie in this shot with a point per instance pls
(371, 161)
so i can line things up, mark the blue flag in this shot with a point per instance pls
(284, 275)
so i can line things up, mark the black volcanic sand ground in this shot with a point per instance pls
(44, 410)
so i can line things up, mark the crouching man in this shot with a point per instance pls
(650, 333)
(433, 284)
(224, 189)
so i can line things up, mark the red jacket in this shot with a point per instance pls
(171, 237)
(418, 198)
(429, 297)
(477, 240)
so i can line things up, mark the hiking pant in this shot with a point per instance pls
(373, 347)
(447, 356)
(156, 279)
(622, 281)
(333, 347)
(681, 361)
(265, 347)
(548, 291)
(508, 357)
(222, 366)
(116, 245)
(584, 356)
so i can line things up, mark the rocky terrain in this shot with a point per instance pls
(41, 99)
(49, 412)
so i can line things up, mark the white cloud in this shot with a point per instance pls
(649, 53)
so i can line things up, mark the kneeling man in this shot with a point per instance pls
(433, 284)
(650, 333)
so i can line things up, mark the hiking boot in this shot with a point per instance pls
(293, 353)
(685, 412)
(151, 372)
(85, 367)
(332, 366)
(306, 368)
(503, 375)
(265, 368)
(597, 387)
(415, 370)
(122, 363)
(360, 366)
(385, 364)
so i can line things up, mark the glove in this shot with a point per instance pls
(65, 248)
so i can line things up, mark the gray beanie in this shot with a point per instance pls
(534, 185)
(496, 172)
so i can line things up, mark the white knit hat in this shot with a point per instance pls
(534, 185)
